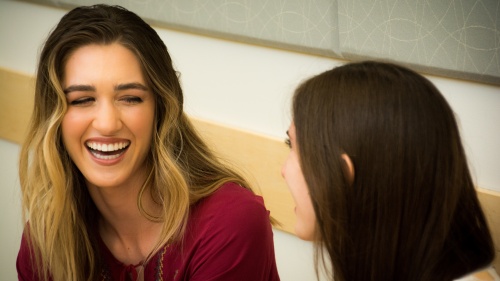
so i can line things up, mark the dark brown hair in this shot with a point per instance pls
(412, 212)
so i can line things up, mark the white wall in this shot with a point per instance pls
(244, 86)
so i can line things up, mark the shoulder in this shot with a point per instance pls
(233, 191)
(229, 237)
(232, 213)
(230, 203)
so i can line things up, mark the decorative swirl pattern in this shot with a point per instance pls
(456, 38)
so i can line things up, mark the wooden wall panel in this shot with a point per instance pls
(259, 158)
(16, 104)
(490, 201)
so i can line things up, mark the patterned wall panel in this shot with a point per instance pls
(455, 38)
(300, 25)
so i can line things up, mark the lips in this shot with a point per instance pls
(107, 151)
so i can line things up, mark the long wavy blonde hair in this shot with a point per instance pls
(61, 215)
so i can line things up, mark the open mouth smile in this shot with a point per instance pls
(107, 151)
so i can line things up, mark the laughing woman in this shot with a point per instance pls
(116, 183)
(380, 177)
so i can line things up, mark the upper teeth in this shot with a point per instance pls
(107, 147)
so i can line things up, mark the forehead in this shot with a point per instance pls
(105, 52)
(111, 63)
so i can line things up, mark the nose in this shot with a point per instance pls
(283, 170)
(107, 119)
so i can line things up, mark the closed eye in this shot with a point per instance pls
(288, 143)
(82, 101)
(131, 99)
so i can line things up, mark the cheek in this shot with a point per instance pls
(304, 201)
(72, 128)
(293, 177)
(141, 122)
(306, 218)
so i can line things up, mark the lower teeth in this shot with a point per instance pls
(106, 157)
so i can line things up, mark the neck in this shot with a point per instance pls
(127, 233)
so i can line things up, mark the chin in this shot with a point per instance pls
(304, 235)
(106, 182)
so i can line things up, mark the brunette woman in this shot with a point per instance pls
(380, 178)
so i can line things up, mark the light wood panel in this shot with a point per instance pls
(490, 201)
(258, 157)
(16, 104)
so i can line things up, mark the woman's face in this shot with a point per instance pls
(292, 173)
(108, 127)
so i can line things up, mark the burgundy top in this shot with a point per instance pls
(228, 237)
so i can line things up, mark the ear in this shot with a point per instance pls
(348, 168)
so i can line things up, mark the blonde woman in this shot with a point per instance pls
(116, 183)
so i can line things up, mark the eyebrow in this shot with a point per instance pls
(79, 88)
(119, 87)
(131, 86)
(287, 133)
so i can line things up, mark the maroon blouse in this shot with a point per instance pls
(228, 237)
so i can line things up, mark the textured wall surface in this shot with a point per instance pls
(454, 38)
(458, 38)
(303, 25)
